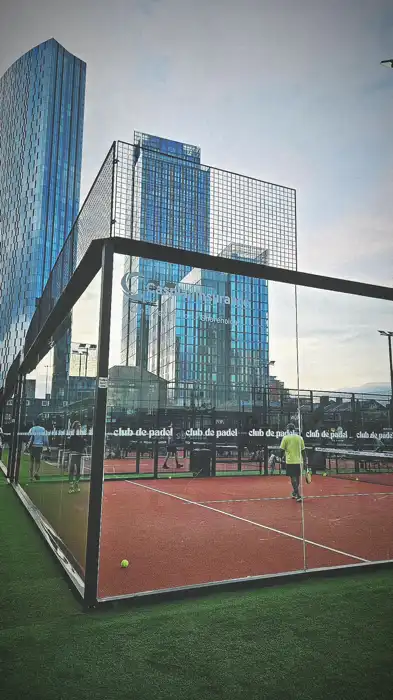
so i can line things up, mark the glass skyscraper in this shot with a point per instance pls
(42, 98)
(203, 332)
(209, 335)
(171, 207)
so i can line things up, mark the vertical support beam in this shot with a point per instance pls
(265, 423)
(156, 444)
(391, 380)
(99, 432)
(354, 418)
(15, 431)
(214, 443)
(18, 449)
(159, 312)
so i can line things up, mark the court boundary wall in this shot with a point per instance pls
(99, 247)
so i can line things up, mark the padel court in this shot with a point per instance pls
(183, 532)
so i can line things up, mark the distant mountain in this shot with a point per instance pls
(369, 389)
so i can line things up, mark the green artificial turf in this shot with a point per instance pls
(315, 640)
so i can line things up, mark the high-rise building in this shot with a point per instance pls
(204, 332)
(171, 207)
(42, 99)
(209, 335)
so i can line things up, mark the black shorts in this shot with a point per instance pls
(171, 450)
(35, 453)
(293, 469)
(75, 460)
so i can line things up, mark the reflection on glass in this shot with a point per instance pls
(6, 431)
(202, 383)
(56, 423)
(346, 423)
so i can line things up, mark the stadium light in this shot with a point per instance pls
(388, 63)
(389, 336)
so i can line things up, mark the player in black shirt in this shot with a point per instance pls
(76, 445)
(171, 451)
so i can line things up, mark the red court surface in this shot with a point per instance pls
(182, 532)
(128, 465)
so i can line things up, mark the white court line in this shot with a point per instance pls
(245, 520)
(306, 498)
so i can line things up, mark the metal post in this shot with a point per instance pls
(214, 442)
(158, 370)
(159, 335)
(265, 424)
(391, 380)
(354, 418)
(239, 441)
(99, 433)
(18, 451)
(136, 154)
(11, 467)
(142, 342)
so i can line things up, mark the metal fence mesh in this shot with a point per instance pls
(171, 201)
(94, 221)
(159, 198)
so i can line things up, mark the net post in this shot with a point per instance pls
(156, 449)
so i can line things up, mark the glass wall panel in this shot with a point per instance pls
(345, 379)
(7, 430)
(56, 429)
(202, 386)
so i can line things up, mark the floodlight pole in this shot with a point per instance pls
(266, 410)
(389, 335)
(391, 379)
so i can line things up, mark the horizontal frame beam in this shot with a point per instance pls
(91, 263)
(203, 261)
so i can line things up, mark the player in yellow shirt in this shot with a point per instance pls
(294, 451)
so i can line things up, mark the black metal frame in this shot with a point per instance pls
(100, 256)
(98, 446)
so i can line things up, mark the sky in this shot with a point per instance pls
(288, 92)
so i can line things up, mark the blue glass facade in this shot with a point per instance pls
(42, 99)
(172, 207)
(210, 334)
(216, 336)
